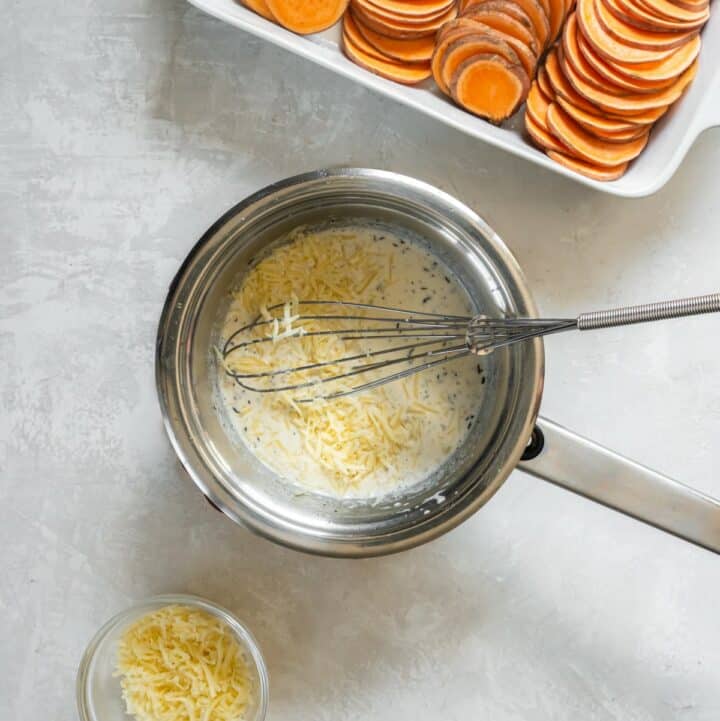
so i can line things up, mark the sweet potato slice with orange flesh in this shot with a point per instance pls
(633, 37)
(425, 8)
(671, 11)
(505, 24)
(580, 60)
(527, 57)
(587, 146)
(623, 137)
(584, 70)
(692, 4)
(595, 172)
(357, 39)
(561, 86)
(557, 17)
(667, 69)
(460, 50)
(260, 7)
(404, 73)
(545, 4)
(395, 29)
(544, 83)
(640, 17)
(305, 18)
(606, 45)
(475, 24)
(595, 123)
(540, 19)
(619, 104)
(470, 32)
(410, 51)
(445, 39)
(381, 14)
(542, 137)
(509, 7)
(529, 12)
(489, 86)
(578, 52)
(536, 105)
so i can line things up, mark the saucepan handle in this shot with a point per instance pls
(557, 455)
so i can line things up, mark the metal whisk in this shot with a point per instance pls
(415, 341)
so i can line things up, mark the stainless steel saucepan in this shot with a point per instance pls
(509, 433)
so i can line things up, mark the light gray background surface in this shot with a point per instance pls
(126, 128)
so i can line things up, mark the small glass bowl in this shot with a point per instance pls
(99, 696)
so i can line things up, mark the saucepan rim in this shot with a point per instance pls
(171, 402)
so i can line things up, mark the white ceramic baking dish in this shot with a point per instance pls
(670, 140)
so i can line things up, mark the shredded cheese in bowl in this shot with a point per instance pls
(183, 664)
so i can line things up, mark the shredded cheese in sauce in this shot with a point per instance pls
(361, 445)
(183, 664)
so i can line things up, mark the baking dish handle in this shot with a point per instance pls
(709, 112)
(577, 464)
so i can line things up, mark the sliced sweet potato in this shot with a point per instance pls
(558, 10)
(382, 15)
(527, 57)
(402, 30)
(405, 73)
(634, 37)
(467, 47)
(568, 53)
(561, 86)
(589, 170)
(623, 136)
(577, 51)
(350, 29)
(599, 124)
(542, 137)
(544, 83)
(302, 18)
(692, 4)
(580, 59)
(636, 103)
(501, 21)
(509, 7)
(540, 19)
(490, 87)
(420, 8)
(529, 12)
(671, 11)
(536, 105)
(605, 44)
(640, 17)
(589, 147)
(445, 38)
(414, 50)
(454, 25)
(666, 69)
(546, 7)
(260, 7)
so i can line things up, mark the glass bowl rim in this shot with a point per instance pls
(239, 629)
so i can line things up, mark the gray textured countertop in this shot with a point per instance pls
(126, 128)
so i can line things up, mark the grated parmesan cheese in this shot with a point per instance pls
(360, 445)
(183, 664)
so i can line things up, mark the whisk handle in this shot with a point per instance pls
(649, 312)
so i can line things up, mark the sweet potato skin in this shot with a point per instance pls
(466, 47)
